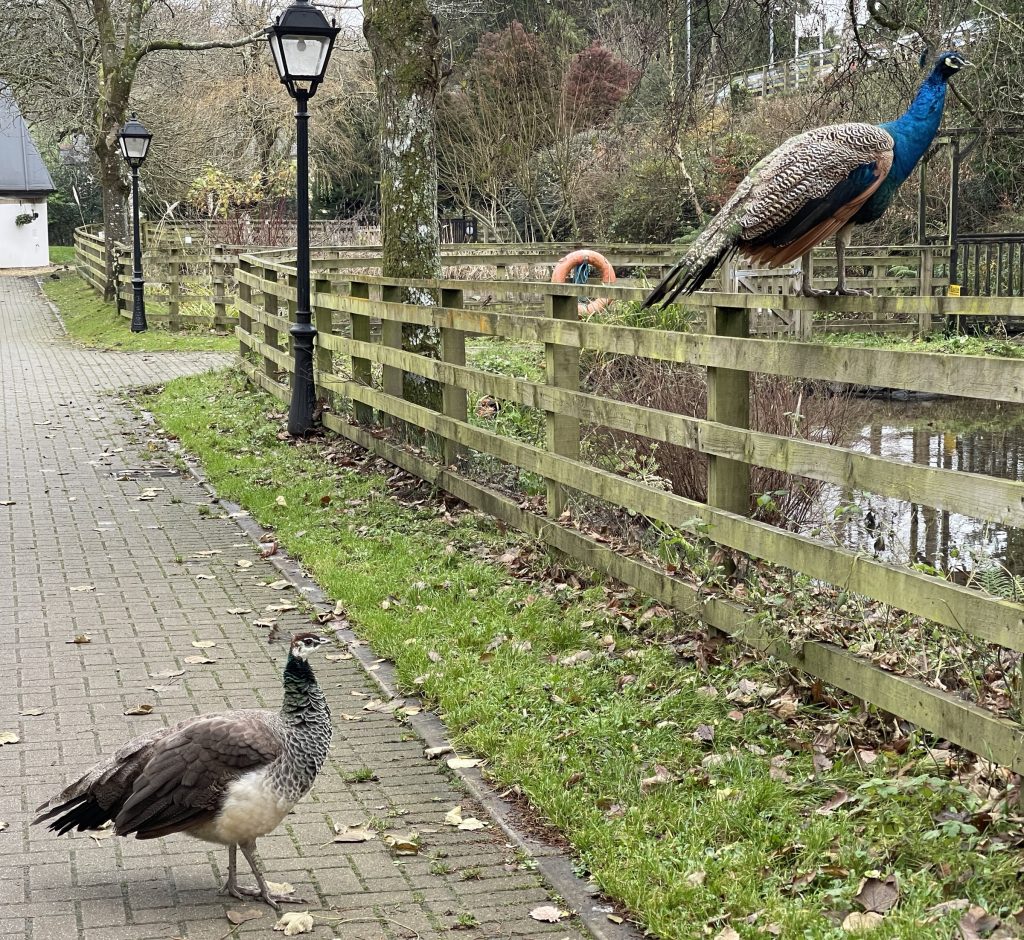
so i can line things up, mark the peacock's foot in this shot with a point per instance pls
(808, 291)
(849, 292)
(267, 896)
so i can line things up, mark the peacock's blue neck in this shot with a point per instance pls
(912, 134)
(916, 129)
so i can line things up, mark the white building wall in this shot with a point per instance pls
(23, 246)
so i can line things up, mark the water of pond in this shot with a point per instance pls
(972, 436)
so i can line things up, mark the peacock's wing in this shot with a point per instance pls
(809, 188)
(184, 780)
(797, 196)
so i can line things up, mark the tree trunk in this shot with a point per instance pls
(403, 36)
(115, 202)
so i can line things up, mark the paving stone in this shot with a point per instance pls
(74, 523)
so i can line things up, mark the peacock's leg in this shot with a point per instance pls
(843, 237)
(274, 900)
(805, 278)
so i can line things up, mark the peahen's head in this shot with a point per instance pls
(305, 643)
(948, 64)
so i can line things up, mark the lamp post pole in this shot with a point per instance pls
(300, 413)
(301, 40)
(139, 324)
(134, 141)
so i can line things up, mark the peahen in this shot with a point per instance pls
(227, 778)
(817, 184)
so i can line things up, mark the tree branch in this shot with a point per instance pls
(181, 45)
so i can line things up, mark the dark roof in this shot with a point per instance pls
(22, 171)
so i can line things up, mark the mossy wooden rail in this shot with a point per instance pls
(361, 379)
(191, 284)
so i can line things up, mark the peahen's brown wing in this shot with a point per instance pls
(184, 780)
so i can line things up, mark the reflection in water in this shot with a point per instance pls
(976, 437)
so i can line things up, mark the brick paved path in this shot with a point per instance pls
(80, 553)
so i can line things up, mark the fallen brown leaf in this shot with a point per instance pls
(878, 894)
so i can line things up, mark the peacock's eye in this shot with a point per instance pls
(952, 63)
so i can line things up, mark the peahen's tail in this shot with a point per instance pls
(710, 249)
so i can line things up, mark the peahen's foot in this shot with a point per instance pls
(267, 896)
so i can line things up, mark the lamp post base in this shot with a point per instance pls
(303, 403)
(139, 324)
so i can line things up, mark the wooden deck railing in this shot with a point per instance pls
(362, 380)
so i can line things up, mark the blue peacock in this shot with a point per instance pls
(816, 185)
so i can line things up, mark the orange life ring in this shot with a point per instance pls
(584, 256)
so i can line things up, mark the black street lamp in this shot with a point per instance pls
(301, 40)
(134, 140)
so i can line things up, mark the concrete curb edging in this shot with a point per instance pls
(552, 863)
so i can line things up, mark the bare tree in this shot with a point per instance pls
(100, 46)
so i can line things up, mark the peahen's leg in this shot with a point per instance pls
(843, 237)
(231, 885)
(274, 900)
(806, 269)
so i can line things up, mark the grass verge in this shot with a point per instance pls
(704, 790)
(62, 254)
(94, 322)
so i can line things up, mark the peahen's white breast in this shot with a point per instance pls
(252, 807)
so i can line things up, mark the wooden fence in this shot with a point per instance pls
(362, 380)
(192, 285)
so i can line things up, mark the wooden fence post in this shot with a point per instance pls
(218, 276)
(925, 275)
(729, 403)
(562, 368)
(392, 379)
(324, 322)
(173, 275)
(244, 320)
(285, 342)
(270, 334)
(119, 264)
(453, 350)
(362, 371)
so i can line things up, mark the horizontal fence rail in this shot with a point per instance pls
(192, 284)
(359, 369)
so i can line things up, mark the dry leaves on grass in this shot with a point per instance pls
(976, 923)
(878, 894)
(861, 922)
(662, 775)
(838, 799)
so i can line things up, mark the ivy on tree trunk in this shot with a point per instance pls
(404, 39)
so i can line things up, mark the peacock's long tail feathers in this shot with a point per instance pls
(712, 246)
